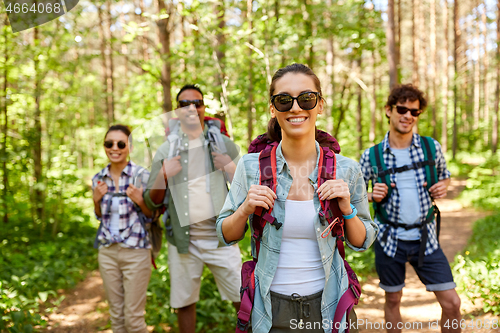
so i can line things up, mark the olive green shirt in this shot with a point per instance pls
(177, 224)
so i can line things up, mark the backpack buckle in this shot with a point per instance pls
(354, 291)
(276, 224)
(241, 326)
(242, 290)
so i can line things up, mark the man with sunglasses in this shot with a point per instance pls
(408, 172)
(189, 163)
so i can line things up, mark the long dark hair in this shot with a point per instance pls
(273, 127)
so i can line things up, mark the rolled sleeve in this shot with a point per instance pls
(359, 199)
(366, 167)
(236, 196)
(443, 172)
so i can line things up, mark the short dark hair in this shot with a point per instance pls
(406, 92)
(189, 87)
(120, 128)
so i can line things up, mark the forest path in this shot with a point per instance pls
(418, 305)
(85, 311)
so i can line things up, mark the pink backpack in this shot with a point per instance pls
(330, 212)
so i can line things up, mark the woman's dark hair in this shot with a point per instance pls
(404, 93)
(121, 128)
(273, 127)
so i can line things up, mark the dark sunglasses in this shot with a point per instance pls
(403, 109)
(196, 102)
(306, 101)
(110, 144)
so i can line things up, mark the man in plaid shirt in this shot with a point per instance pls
(409, 204)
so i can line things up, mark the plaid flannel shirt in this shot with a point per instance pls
(392, 206)
(132, 234)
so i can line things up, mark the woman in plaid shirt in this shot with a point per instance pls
(124, 248)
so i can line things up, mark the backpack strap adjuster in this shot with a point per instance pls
(241, 326)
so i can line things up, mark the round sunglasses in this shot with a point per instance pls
(403, 109)
(110, 144)
(306, 101)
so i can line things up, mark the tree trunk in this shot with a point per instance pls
(416, 41)
(308, 28)
(110, 79)
(456, 29)
(444, 76)
(144, 43)
(398, 41)
(104, 64)
(5, 178)
(494, 132)
(433, 66)
(330, 63)
(486, 86)
(373, 101)
(220, 12)
(166, 70)
(391, 45)
(250, 109)
(477, 97)
(37, 140)
(359, 114)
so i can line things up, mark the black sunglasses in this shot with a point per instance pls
(403, 109)
(110, 144)
(306, 101)
(185, 102)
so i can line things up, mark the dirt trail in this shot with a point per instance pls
(418, 305)
(84, 309)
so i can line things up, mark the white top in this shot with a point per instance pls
(201, 210)
(114, 223)
(300, 269)
(406, 183)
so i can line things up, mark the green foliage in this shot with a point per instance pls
(477, 272)
(483, 190)
(213, 314)
(32, 270)
(363, 263)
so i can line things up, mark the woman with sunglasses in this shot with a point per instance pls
(300, 276)
(124, 248)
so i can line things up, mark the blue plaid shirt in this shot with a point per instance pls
(392, 206)
(132, 234)
(336, 281)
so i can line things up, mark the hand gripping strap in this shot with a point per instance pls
(330, 210)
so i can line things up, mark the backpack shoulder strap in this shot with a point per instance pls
(268, 177)
(379, 168)
(378, 165)
(429, 149)
(217, 143)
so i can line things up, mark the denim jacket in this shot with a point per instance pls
(336, 281)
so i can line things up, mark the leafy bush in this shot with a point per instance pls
(213, 314)
(482, 186)
(33, 269)
(478, 271)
